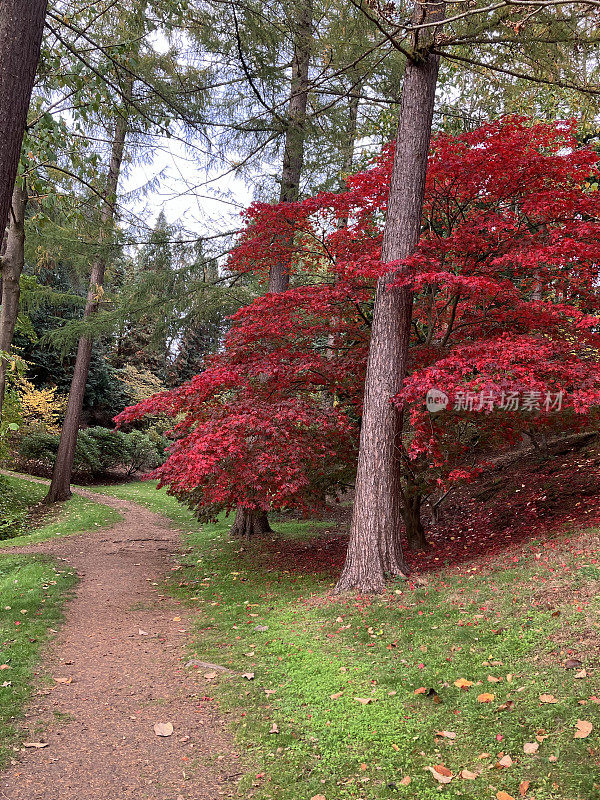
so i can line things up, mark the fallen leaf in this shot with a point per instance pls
(163, 728)
(4, 666)
(507, 706)
(523, 786)
(421, 690)
(63, 680)
(176, 619)
(440, 773)
(462, 683)
(446, 734)
(318, 797)
(270, 691)
(141, 632)
(261, 628)
(274, 728)
(492, 679)
(505, 761)
(210, 675)
(584, 728)
(581, 674)
(531, 747)
(467, 775)
(485, 698)
(248, 675)
(548, 698)
(335, 696)
(553, 758)
(573, 663)
(364, 700)
(364, 767)
(37, 745)
(502, 795)
(405, 781)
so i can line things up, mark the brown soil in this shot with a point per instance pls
(123, 647)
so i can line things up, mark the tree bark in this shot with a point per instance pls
(250, 523)
(21, 28)
(12, 263)
(60, 487)
(411, 514)
(295, 134)
(374, 550)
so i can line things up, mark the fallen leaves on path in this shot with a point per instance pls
(65, 681)
(36, 745)
(163, 728)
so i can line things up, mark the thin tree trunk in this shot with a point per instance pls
(411, 514)
(60, 487)
(295, 135)
(374, 550)
(250, 523)
(12, 262)
(21, 28)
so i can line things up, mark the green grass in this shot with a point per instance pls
(77, 515)
(500, 621)
(32, 593)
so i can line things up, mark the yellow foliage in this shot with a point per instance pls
(40, 408)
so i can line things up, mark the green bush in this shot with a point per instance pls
(98, 450)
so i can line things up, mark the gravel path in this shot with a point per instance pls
(122, 649)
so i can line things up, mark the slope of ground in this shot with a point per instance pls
(359, 698)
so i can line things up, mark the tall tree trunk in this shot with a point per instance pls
(248, 523)
(21, 28)
(12, 263)
(295, 134)
(60, 487)
(374, 550)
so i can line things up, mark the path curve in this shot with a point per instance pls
(122, 645)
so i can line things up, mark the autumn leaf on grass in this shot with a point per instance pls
(318, 797)
(548, 698)
(502, 795)
(210, 675)
(523, 786)
(274, 728)
(163, 728)
(584, 728)
(248, 675)
(441, 773)
(485, 698)
(364, 700)
(505, 761)
(446, 734)
(405, 780)
(467, 775)
(462, 683)
(531, 747)
(421, 690)
(335, 696)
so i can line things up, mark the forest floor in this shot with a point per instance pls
(112, 673)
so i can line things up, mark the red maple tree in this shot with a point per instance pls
(505, 284)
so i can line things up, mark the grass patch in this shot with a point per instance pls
(32, 593)
(76, 515)
(508, 628)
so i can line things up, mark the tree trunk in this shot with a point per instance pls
(411, 514)
(295, 134)
(12, 263)
(250, 523)
(21, 28)
(374, 550)
(60, 487)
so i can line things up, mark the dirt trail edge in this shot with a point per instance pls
(122, 646)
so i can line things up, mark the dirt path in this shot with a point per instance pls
(122, 645)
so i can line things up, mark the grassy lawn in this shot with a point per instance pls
(32, 593)
(77, 515)
(361, 694)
